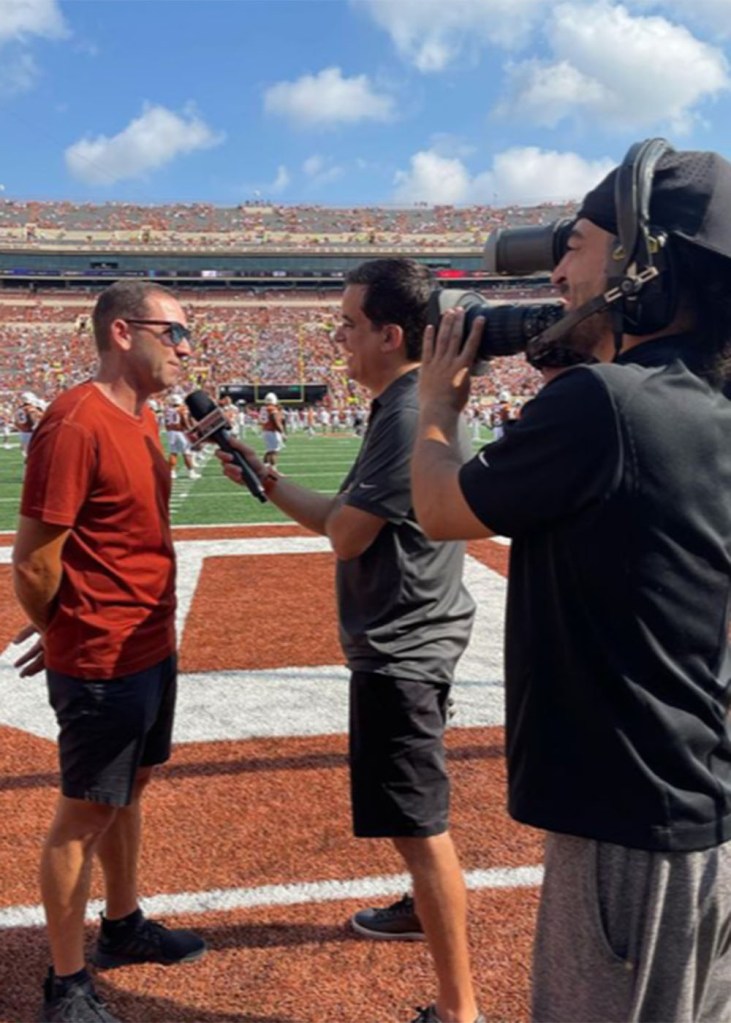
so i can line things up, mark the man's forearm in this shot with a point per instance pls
(36, 586)
(439, 421)
(332, 516)
(38, 567)
(305, 506)
(435, 466)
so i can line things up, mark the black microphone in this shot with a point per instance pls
(212, 425)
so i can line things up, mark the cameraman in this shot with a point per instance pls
(615, 487)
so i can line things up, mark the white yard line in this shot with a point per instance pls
(183, 484)
(227, 900)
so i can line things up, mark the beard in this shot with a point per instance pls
(588, 335)
(578, 345)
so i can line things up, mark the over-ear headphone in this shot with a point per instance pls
(642, 294)
(645, 276)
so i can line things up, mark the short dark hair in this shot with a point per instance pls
(126, 300)
(397, 291)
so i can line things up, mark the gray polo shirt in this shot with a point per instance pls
(404, 610)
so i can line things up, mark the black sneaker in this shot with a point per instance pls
(146, 941)
(429, 1015)
(398, 922)
(77, 1004)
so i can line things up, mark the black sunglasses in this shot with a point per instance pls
(176, 331)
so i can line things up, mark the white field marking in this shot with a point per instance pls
(301, 462)
(238, 493)
(303, 447)
(183, 484)
(228, 900)
(503, 540)
(316, 469)
(303, 456)
(242, 704)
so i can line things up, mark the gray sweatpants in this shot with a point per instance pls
(629, 936)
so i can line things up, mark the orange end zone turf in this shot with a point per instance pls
(248, 840)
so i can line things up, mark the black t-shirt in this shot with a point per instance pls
(403, 608)
(615, 486)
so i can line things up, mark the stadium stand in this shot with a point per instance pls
(196, 225)
(258, 330)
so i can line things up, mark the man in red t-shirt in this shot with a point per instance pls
(94, 570)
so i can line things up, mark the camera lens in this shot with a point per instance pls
(509, 326)
(526, 250)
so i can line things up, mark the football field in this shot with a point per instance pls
(319, 462)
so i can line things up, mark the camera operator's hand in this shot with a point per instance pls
(444, 378)
(441, 509)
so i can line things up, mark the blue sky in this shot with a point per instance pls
(350, 101)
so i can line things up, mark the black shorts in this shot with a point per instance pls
(110, 728)
(398, 776)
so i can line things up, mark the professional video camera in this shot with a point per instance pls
(509, 326)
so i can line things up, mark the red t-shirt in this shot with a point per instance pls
(102, 472)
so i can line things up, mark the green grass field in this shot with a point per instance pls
(320, 463)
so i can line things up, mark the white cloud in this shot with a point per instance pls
(519, 175)
(147, 143)
(22, 18)
(280, 182)
(434, 34)
(433, 178)
(320, 170)
(713, 15)
(532, 175)
(17, 74)
(327, 99)
(313, 166)
(546, 93)
(621, 70)
(19, 21)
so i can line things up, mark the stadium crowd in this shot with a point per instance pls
(249, 336)
(258, 225)
(275, 338)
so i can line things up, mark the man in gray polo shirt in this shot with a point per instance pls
(405, 619)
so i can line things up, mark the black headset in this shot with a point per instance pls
(646, 279)
(642, 294)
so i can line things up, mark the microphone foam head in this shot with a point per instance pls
(199, 404)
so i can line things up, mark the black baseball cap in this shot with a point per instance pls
(690, 199)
